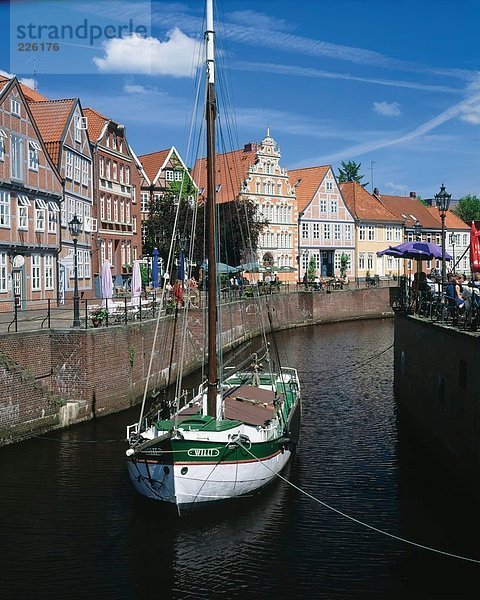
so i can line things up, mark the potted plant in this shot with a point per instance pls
(98, 315)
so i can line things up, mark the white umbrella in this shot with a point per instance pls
(107, 283)
(136, 283)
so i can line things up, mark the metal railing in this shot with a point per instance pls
(46, 314)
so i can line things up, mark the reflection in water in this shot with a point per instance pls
(72, 527)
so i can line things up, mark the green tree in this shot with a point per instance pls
(312, 269)
(349, 171)
(468, 209)
(344, 262)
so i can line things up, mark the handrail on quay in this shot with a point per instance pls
(436, 305)
(102, 312)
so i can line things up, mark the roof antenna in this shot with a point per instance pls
(35, 86)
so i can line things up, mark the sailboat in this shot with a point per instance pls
(238, 429)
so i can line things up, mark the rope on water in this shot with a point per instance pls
(362, 523)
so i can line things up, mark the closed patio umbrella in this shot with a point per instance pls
(136, 283)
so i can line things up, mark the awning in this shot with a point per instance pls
(53, 206)
(23, 201)
(39, 203)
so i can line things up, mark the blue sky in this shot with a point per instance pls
(393, 85)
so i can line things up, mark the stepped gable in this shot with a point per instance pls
(95, 123)
(51, 117)
(153, 162)
(365, 206)
(306, 182)
(231, 170)
(30, 94)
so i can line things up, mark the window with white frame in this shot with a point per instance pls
(329, 185)
(127, 212)
(33, 149)
(398, 234)
(389, 233)
(371, 233)
(144, 201)
(3, 137)
(87, 264)
(36, 272)
(316, 231)
(101, 166)
(115, 209)
(76, 169)
(337, 263)
(22, 212)
(168, 175)
(178, 175)
(369, 261)
(85, 172)
(123, 254)
(15, 107)
(134, 197)
(465, 239)
(68, 165)
(304, 231)
(333, 206)
(121, 174)
(327, 231)
(361, 261)
(362, 232)
(80, 263)
(80, 214)
(87, 213)
(16, 157)
(107, 168)
(52, 221)
(63, 213)
(102, 207)
(3, 272)
(122, 210)
(48, 270)
(109, 208)
(115, 171)
(78, 131)
(337, 231)
(348, 232)
(323, 206)
(134, 224)
(40, 207)
(102, 251)
(5, 214)
(114, 141)
(129, 253)
(390, 263)
(127, 175)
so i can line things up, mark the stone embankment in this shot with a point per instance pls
(56, 377)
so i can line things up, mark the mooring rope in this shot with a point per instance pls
(362, 523)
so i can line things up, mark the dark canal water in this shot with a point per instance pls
(72, 527)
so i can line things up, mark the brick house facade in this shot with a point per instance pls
(30, 196)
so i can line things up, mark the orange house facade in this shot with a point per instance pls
(30, 196)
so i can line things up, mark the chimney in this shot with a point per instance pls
(376, 192)
(413, 195)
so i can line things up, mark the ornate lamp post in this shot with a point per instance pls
(74, 228)
(452, 243)
(417, 232)
(442, 200)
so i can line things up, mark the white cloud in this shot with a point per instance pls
(258, 20)
(134, 89)
(150, 56)
(6, 74)
(387, 109)
(400, 188)
(28, 81)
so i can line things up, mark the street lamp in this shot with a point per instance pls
(452, 244)
(442, 200)
(417, 230)
(74, 228)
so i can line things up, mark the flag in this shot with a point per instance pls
(475, 247)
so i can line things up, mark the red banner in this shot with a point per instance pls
(475, 247)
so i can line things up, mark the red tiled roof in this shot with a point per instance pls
(410, 210)
(30, 95)
(95, 123)
(310, 179)
(153, 162)
(51, 117)
(231, 170)
(364, 206)
(451, 219)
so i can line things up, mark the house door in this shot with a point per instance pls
(326, 263)
(18, 276)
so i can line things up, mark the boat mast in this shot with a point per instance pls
(211, 210)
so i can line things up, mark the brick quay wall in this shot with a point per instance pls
(436, 389)
(56, 377)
